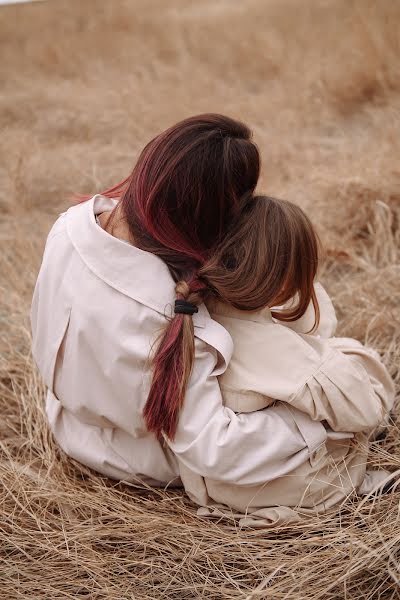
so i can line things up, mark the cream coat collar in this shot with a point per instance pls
(134, 272)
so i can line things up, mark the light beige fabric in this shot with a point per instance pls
(99, 305)
(312, 373)
(336, 380)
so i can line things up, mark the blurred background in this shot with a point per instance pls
(85, 84)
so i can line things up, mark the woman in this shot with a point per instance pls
(123, 338)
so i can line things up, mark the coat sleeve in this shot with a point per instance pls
(336, 380)
(351, 390)
(245, 449)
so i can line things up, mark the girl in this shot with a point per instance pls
(287, 354)
(127, 347)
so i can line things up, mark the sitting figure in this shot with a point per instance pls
(284, 353)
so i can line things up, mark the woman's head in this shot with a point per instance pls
(188, 184)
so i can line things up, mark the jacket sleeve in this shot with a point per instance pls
(337, 380)
(245, 449)
(351, 390)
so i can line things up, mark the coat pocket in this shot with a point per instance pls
(47, 345)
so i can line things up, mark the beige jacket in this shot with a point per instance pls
(98, 305)
(336, 381)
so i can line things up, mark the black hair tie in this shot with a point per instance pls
(184, 307)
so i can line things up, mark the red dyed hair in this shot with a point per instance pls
(188, 185)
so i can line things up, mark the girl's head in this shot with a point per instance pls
(269, 256)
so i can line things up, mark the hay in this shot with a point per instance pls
(84, 86)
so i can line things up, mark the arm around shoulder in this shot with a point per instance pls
(337, 380)
(215, 442)
(352, 390)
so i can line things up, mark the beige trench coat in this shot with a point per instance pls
(275, 361)
(98, 306)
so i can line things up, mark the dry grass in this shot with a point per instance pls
(83, 86)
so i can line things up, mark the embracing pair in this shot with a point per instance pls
(184, 339)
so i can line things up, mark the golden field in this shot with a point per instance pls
(83, 86)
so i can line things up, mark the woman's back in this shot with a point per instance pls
(88, 323)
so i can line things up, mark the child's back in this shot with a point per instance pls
(259, 340)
